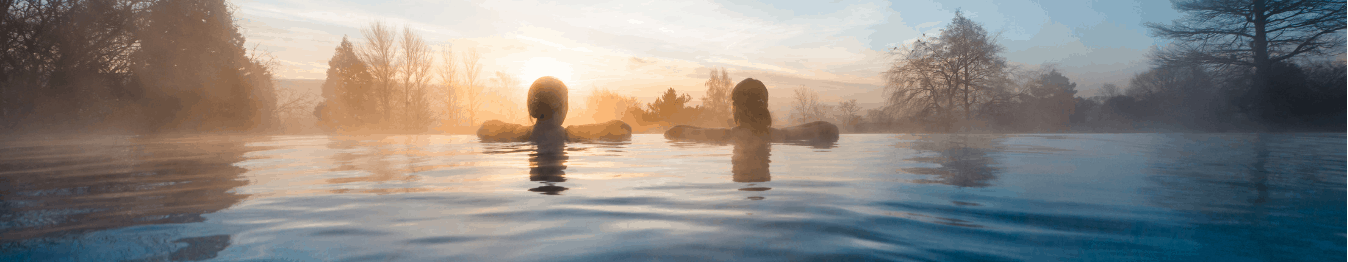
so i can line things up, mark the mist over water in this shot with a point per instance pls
(1171, 197)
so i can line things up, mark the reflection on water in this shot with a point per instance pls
(1252, 168)
(547, 165)
(56, 187)
(1132, 197)
(1268, 188)
(749, 164)
(546, 162)
(372, 164)
(816, 144)
(50, 187)
(200, 248)
(964, 160)
(380, 161)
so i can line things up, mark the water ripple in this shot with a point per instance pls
(1171, 197)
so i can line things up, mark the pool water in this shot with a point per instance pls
(1078, 197)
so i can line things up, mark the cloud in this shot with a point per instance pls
(1107, 34)
(636, 62)
(554, 45)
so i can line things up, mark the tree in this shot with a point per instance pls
(415, 68)
(668, 107)
(193, 62)
(347, 94)
(971, 64)
(915, 89)
(139, 66)
(877, 118)
(716, 103)
(275, 106)
(1254, 34)
(608, 105)
(1180, 95)
(470, 89)
(849, 113)
(1052, 100)
(67, 63)
(1110, 90)
(449, 84)
(506, 85)
(806, 107)
(292, 107)
(1054, 84)
(504, 81)
(943, 74)
(380, 54)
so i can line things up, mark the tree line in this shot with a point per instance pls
(390, 82)
(1232, 66)
(671, 109)
(1243, 65)
(149, 66)
(376, 86)
(135, 66)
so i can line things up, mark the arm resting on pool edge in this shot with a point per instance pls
(611, 130)
(497, 131)
(693, 133)
(813, 131)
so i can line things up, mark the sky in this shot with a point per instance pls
(836, 48)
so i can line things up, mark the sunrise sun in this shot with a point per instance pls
(545, 66)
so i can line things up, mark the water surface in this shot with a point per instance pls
(1171, 197)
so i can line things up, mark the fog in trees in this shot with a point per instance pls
(1262, 43)
(388, 84)
(347, 92)
(604, 104)
(848, 114)
(716, 103)
(1232, 66)
(669, 108)
(805, 107)
(130, 66)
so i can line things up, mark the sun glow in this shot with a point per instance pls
(545, 66)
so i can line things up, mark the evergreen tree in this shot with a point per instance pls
(1053, 101)
(347, 94)
(195, 69)
(668, 107)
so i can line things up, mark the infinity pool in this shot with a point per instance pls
(1129, 197)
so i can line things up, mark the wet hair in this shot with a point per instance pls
(547, 99)
(750, 100)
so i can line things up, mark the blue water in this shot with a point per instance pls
(1086, 197)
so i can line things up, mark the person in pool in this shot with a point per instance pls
(547, 104)
(753, 122)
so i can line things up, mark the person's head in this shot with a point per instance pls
(547, 101)
(750, 100)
